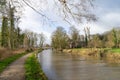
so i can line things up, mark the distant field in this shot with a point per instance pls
(115, 50)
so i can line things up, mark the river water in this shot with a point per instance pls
(61, 66)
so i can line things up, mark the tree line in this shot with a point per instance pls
(21, 39)
(61, 39)
(11, 36)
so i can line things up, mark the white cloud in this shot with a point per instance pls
(106, 22)
(111, 19)
(31, 21)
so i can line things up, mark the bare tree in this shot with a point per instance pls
(74, 36)
(41, 39)
(76, 10)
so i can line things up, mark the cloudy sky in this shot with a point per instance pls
(107, 11)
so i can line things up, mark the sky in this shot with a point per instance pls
(107, 11)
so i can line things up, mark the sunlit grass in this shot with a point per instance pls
(116, 50)
(33, 69)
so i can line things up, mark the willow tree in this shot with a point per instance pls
(59, 39)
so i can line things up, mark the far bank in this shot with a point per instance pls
(111, 55)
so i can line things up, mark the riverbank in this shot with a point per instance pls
(108, 54)
(33, 69)
(84, 51)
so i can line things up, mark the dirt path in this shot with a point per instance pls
(15, 71)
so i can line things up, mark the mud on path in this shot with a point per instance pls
(15, 71)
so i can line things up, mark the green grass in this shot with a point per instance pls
(116, 50)
(33, 69)
(4, 63)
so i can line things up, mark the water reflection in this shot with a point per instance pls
(60, 66)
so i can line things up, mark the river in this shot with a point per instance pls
(61, 66)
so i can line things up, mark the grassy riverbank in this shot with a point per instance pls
(112, 55)
(86, 51)
(82, 51)
(33, 69)
(5, 62)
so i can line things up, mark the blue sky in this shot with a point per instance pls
(107, 11)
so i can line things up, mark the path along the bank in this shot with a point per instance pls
(16, 70)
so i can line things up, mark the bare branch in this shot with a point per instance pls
(35, 9)
(77, 10)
